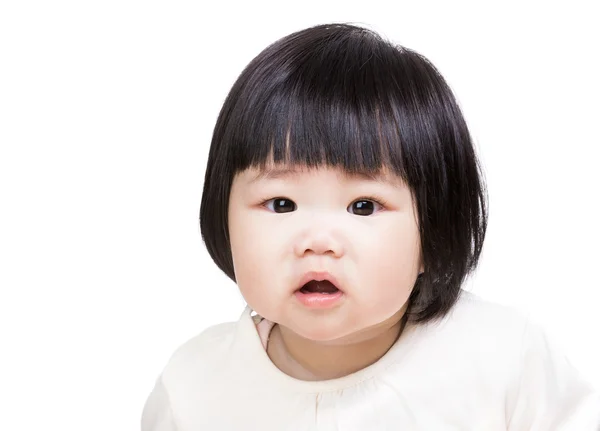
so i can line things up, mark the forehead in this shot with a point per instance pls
(272, 172)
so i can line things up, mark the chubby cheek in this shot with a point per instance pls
(389, 270)
(254, 251)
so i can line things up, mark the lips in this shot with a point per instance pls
(319, 291)
(318, 282)
(323, 286)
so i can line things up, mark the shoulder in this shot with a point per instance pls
(477, 345)
(496, 333)
(475, 319)
(198, 358)
(203, 344)
(191, 376)
(542, 389)
(203, 367)
(471, 305)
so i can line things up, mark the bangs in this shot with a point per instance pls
(296, 131)
(350, 104)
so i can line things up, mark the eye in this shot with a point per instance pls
(364, 207)
(280, 205)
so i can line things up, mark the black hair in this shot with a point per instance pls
(341, 96)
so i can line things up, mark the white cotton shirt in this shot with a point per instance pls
(482, 367)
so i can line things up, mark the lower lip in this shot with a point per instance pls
(319, 300)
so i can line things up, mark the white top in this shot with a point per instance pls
(482, 367)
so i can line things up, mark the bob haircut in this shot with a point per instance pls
(339, 95)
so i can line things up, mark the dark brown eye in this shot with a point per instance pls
(363, 207)
(280, 205)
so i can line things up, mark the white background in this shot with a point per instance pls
(106, 114)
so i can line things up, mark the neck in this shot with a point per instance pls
(309, 360)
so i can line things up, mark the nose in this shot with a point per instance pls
(319, 240)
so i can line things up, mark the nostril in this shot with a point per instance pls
(321, 244)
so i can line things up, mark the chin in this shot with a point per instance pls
(320, 336)
(322, 332)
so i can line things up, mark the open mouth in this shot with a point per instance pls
(324, 287)
(319, 291)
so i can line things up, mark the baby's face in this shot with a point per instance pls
(362, 231)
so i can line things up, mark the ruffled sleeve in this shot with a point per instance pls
(549, 394)
(157, 414)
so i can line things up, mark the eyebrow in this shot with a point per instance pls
(286, 173)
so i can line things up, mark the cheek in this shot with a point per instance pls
(254, 251)
(401, 252)
(395, 243)
(390, 263)
(251, 238)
